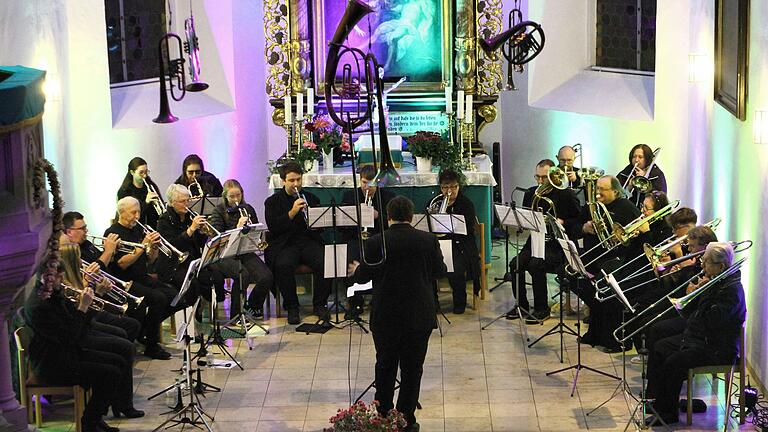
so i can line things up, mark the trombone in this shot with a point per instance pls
(165, 246)
(118, 288)
(207, 227)
(676, 303)
(641, 183)
(122, 245)
(98, 304)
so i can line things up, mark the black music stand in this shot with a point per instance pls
(244, 241)
(191, 413)
(574, 260)
(561, 327)
(204, 205)
(523, 220)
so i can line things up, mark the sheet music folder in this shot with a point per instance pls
(232, 243)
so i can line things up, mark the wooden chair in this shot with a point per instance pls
(302, 269)
(739, 366)
(30, 386)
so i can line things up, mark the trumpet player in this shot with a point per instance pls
(367, 194)
(567, 210)
(566, 157)
(197, 179)
(711, 335)
(292, 242)
(188, 234)
(134, 266)
(139, 185)
(640, 160)
(233, 212)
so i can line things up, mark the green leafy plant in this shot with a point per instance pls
(325, 134)
(426, 144)
(366, 418)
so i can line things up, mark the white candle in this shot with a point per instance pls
(468, 117)
(448, 99)
(299, 106)
(311, 101)
(287, 109)
(460, 104)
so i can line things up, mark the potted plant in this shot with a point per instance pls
(425, 146)
(306, 156)
(326, 136)
(362, 418)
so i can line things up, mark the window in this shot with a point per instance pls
(626, 35)
(133, 30)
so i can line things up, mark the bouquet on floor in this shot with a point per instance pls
(366, 418)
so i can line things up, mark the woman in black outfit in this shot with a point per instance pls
(642, 156)
(193, 169)
(135, 184)
(229, 215)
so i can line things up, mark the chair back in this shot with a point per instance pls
(22, 337)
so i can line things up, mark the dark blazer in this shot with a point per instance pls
(464, 206)
(566, 202)
(282, 230)
(623, 212)
(403, 294)
(657, 178)
(174, 229)
(210, 184)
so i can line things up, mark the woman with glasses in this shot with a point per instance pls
(640, 158)
(193, 171)
(139, 185)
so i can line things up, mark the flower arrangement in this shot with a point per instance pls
(425, 144)
(326, 135)
(362, 418)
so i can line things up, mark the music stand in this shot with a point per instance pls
(243, 241)
(204, 205)
(521, 219)
(574, 260)
(335, 262)
(191, 413)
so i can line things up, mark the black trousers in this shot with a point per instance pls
(668, 365)
(124, 350)
(407, 349)
(288, 259)
(458, 278)
(254, 270)
(357, 301)
(97, 371)
(538, 269)
(122, 326)
(155, 308)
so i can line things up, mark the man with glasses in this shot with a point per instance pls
(711, 336)
(566, 157)
(466, 256)
(567, 210)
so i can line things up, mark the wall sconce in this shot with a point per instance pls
(760, 128)
(699, 68)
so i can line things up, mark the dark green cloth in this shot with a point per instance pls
(21, 94)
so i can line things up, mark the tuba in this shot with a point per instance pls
(192, 48)
(356, 114)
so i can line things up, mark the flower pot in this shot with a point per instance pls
(328, 161)
(310, 165)
(423, 164)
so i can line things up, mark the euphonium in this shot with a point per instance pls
(558, 178)
(192, 49)
(540, 195)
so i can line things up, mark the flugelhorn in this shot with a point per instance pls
(122, 245)
(192, 48)
(165, 246)
(98, 304)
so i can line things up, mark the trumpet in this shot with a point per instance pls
(243, 213)
(158, 203)
(676, 303)
(98, 304)
(122, 245)
(207, 227)
(165, 246)
(192, 194)
(118, 288)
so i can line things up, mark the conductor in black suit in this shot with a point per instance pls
(403, 311)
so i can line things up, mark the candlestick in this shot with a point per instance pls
(310, 101)
(299, 107)
(287, 109)
(460, 104)
(448, 99)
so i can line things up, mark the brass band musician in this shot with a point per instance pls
(194, 176)
(139, 185)
(641, 157)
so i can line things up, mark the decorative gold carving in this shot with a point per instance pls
(300, 65)
(489, 74)
(488, 114)
(465, 64)
(277, 49)
(278, 117)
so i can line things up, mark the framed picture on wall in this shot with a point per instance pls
(732, 55)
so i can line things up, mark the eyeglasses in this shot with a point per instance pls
(603, 188)
(194, 171)
(449, 187)
(539, 177)
(82, 228)
(143, 173)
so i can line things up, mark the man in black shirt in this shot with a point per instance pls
(291, 242)
(403, 310)
(367, 194)
(466, 256)
(133, 267)
(567, 210)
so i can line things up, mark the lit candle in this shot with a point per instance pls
(468, 117)
(448, 99)
(311, 101)
(460, 104)
(299, 106)
(287, 109)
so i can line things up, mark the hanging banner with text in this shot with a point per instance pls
(408, 123)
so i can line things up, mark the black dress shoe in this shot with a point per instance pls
(103, 426)
(293, 316)
(321, 312)
(698, 405)
(157, 352)
(128, 413)
(412, 428)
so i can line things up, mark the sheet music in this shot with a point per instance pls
(420, 222)
(448, 223)
(572, 256)
(183, 321)
(359, 287)
(528, 219)
(538, 244)
(446, 247)
(619, 293)
(341, 261)
(240, 242)
(321, 217)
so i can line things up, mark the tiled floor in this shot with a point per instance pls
(474, 380)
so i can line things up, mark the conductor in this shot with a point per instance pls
(403, 312)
